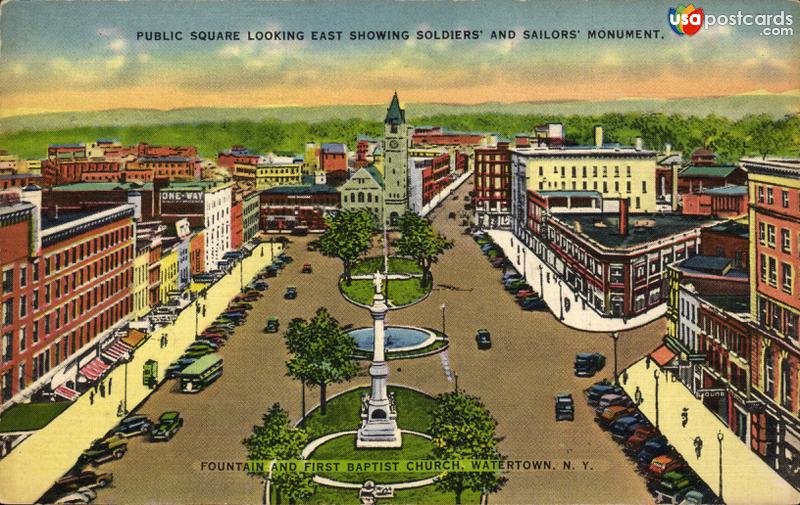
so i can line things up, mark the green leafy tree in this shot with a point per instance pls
(321, 353)
(419, 241)
(276, 439)
(463, 429)
(348, 237)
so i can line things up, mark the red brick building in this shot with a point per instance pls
(237, 223)
(725, 201)
(147, 169)
(19, 180)
(237, 154)
(197, 253)
(492, 177)
(437, 136)
(66, 282)
(333, 160)
(696, 178)
(435, 177)
(285, 207)
(729, 239)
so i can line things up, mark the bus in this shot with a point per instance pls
(197, 376)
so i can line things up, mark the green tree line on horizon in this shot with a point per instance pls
(730, 139)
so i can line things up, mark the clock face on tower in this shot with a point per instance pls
(394, 144)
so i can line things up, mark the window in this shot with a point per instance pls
(644, 186)
(22, 339)
(785, 198)
(23, 306)
(616, 171)
(786, 384)
(773, 272)
(761, 194)
(786, 241)
(617, 275)
(8, 280)
(23, 276)
(8, 311)
(35, 332)
(638, 202)
(771, 235)
(762, 234)
(786, 277)
(770, 196)
(7, 347)
(21, 377)
(769, 379)
(628, 186)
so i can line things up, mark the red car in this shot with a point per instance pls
(525, 293)
(661, 465)
(636, 441)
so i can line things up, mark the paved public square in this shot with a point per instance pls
(530, 361)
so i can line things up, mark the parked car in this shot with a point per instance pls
(291, 293)
(168, 425)
(611, 414)
(599, 389)
(673, 486)
(221, 327)
(612, 399)
(83, 478)
(307, 269)
(565, 407)
(483, 339)
(272, 271)
(696, 495)
(104, 450)
(488, 247)
(273, 324)
(661, 465)
(588, 364)
(499, 262)
(640, 435)
(246, 297)
(80, 495)
(254, 293)
(511, 274)
(312, 246)
(656, 446)
(175, 368)
(200, 344)
(131, 426)
(237, 316)
(261, 286)
(217, 340)
(240, 306)
(624, 427)
(285, 258)
(196, 352)
(525, 293)
(533, 303)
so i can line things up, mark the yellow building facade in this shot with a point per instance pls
(140, 283)
(169, 274)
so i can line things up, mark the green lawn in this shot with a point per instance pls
(344, 448)
(400, 292)
(397, 265)
(425, 495)
(413, 409)
(30, 416)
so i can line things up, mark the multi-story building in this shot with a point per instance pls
(19, 180)
(333, 161)
(270, 171)
(66, 285)
(251, 214)
(84, 196)
(427, 177)
(774, 191)
(438, 136)
(723, 201)
(168, 271)
(492, 177)
(206, 205)
(286, 207)
(141, 301)
(237, 222)
(237, 154)
(695, 178)
(365, 190)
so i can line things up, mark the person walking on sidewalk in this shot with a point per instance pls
(91, 397)
(684, 416)
(698, 446)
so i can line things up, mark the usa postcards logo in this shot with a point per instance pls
(686, 20)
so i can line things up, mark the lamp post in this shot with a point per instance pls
(615, 337)
(444, 328)
(656, 375)
(455, 378)
(524, 264)
(720, 437)
(541, 281)
(241, 275)
(561, 299)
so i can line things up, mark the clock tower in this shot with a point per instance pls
(396, 142)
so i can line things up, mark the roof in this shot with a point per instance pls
(729, 190)
(662, 355)
(720, 171)
(674, 158)
(165, 159)
(607, 235)
(703, 152)
(201, 364)
(334, 147)
(563, 194)
(66, 145)
(303, 189)
(375, 174)
(103, 186)
(737, 304)
(717, 265)
(394, 114)
(731, 227)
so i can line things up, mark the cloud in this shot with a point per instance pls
(118, 45)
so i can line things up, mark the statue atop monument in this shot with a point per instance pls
(378, 282)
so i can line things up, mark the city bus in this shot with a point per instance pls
(197, 376)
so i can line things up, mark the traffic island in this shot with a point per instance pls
(400, 291)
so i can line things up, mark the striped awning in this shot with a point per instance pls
(67, 393)
(94, 369)
(117, 351)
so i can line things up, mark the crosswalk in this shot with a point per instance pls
(448, 372)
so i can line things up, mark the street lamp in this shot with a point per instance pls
(720, 437)
(656, 375)
(444, 310)
(615, 337)
(455, 378)
(541, 281)
(524, 265)
(561, 299)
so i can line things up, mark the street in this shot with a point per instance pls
(530, 361)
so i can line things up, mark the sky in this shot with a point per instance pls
(84, 55)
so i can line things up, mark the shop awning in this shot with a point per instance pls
(662, 355)
(67, 393)
(117, 351)
(94, 369)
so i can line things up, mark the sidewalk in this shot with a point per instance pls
(445, 193)
(578, 315)
(746, 478)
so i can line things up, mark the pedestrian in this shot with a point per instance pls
(698, 446)
(95, 387)
(625, 377)
(684, 416)
(102, 390)
(647, 362)
(637, 395)
(109, 385)
(91, 397)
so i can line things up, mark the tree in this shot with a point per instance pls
(420, 242)
(348, 237)
(463, 429)
(276, 439)
(321, 353)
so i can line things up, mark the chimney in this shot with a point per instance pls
(623, 216)
(638, 143)
(598, 136)
(667, 149)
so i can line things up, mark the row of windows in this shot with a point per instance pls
(584, 172)
(766, 236)
(769, 273)
(773, 316)
(767, 194)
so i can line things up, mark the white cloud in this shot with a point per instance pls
(118, 45)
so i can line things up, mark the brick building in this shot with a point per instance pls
(286, 207)
(696, 178)
(492, 177)
(724, 201)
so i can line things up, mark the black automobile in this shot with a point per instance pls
(587, 364)
(168, 425)
(291, 293)
(565, 407)
(104, 450)
(84, 478)
(483, 339)
(133, 425)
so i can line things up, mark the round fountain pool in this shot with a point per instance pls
(398, 338)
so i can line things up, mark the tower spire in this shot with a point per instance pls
(394, 114)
